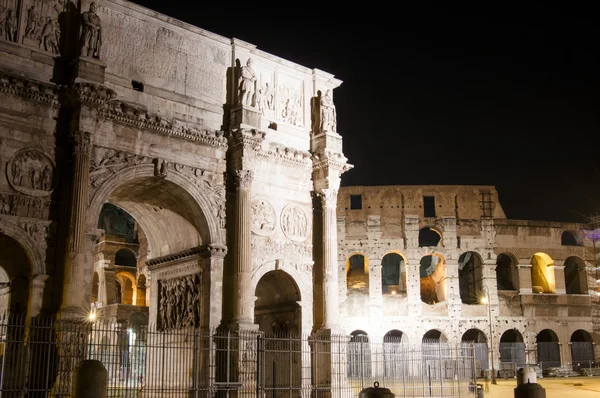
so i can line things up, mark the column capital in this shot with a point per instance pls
(82, 143)
(243, 178)
(328, 197)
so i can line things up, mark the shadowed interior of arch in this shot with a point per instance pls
(14, 276)
(169, 217)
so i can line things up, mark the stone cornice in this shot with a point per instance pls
(94, 94)
(282, 154)
(46, 93)
(247, 138)
(562, 253)
(207, 251)
(331, 160)
(139, 117)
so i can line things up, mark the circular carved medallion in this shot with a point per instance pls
(31, 172)
(294, 223)
(263, 217)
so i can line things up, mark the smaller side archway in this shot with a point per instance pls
(575, 276)
(395, 352)
(478, 340)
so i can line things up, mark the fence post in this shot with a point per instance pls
(90, 380)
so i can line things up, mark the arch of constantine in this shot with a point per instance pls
(159, 177)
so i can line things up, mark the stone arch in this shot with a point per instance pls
(204, 220)
(432, 272)
(548, 349)
(434, 336)
(582, 349)
(512, 348)
(430, 237)
(34, 251)
(277, 309)
(542, 273)
(128, 287)
(125, 257)
(571, 238)
(479, 342)
(575, 276)
(393, 273)
(359, 355)
(507, 273)
(394, 353)
(357, 273)
(15, 276)
(470, 277)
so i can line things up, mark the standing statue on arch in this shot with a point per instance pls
(91, 33)
(246, 84)
(328, 113)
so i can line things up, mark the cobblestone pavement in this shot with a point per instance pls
(559, 387)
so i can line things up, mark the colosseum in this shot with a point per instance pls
(171, 207)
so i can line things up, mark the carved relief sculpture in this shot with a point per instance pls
(91, 33)
(42, 27)
(8, 23)
(31, 172)
(328, 113)
(246, 84)
(290, 103)
(263, 217)
(179, 302)
(294, 223)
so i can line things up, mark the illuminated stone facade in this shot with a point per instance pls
(418, 262)
(145, 159)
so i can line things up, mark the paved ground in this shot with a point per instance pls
(555, 387)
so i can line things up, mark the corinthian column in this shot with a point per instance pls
(76, 240)
(330, 260)
(243, 295)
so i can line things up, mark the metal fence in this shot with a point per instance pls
(39, 358)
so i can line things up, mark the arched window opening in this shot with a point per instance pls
(542, 274)
(582, 350)
(357, 275)
(393, 274)
(548, 350)
(569, 238)
(429, 237)
(506, 272)
(395, 352)
(575, 276)
(359, 355)
(470, 276)
(512, 350)
(433, 279)
(125, 257)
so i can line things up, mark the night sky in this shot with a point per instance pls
(503, 97)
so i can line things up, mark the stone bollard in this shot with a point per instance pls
(526, 374)
(91, 380)
(530, 390)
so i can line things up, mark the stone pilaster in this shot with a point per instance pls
(214, 263)
(73, 295)
(331, 305)
(524, 278)
(243, 301)
(559, 279)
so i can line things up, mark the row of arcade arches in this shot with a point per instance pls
(432, 273)
(363, 354)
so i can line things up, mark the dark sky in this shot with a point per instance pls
(504, 97)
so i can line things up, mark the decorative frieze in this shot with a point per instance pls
(179, 301)
(139, 117)
(42, 26)
(266, 248)
(95, 94)
(283, 154)
(247, 138)
(24, 206)
(107, 162)
(30, 89)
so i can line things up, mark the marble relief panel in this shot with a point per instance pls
(290, 100)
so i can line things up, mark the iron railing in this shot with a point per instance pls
(39, 357)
